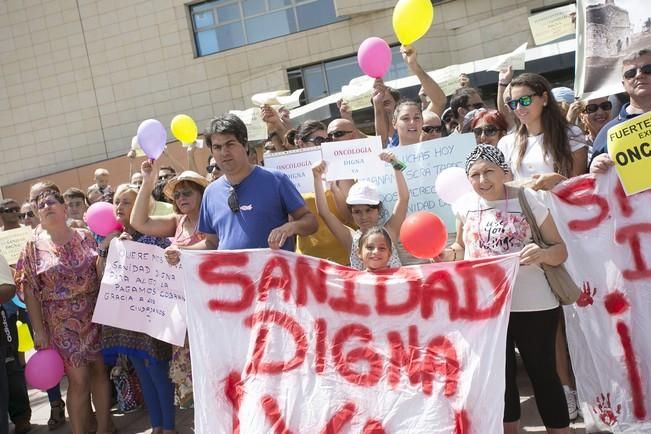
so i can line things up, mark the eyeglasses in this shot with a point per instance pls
(338, 134)
(211, 167)
(186, 192)
(524, 101)
(631, 73)
(592, 108)
(48, 200)
(10, 210)
(24, 215)
(429, 129)
(233, 203)
(488, 131)
(476, 106)
(317, 140)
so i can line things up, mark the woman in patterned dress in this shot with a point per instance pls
(149, 356)
(58, 274)
(185, 191)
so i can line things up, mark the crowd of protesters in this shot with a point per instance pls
(535, 133)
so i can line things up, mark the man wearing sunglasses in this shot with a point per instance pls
(249, 206)
(342, 129)
(636, 78)
(432, 126)
(9, 213)
(27, 216)
(463, 101)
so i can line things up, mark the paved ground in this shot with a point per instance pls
(137, 422)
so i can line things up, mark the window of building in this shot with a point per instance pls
(325, 78)
(220, 25)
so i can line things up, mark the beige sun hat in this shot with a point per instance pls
(189, 176)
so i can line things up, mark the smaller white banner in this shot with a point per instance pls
(352, 159)
(255, 126)
(140, 291)
(514, 59)
(297, 165)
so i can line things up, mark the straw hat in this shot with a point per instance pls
(188, 175)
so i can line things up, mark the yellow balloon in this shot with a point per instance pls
(184, 129)
(25, 341)
(412, 19)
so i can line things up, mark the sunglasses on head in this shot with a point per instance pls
(631, 73)
(10, 210)
(429, 129)
(233, 202)
(317, 140)
(24, 215)
(186, 192)
(211, 167)
(592, 108)
(488, 131)
(524, 101)
(337, 134)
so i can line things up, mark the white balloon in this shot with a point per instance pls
(451, 184)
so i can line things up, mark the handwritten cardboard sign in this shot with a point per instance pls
(296, 164)
(425, 161)
(13, 241)
(290, 343)
(629, 146)
(140, 291)
(352, 159)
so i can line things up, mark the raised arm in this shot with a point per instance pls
(503, 82)
(157, 226)
(382, 123)
(346, 113)
(338, 229)
(275, 126)
(400, 209)
(430, 87)
(340, 191)
(192, 162)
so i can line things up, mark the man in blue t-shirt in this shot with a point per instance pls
(636, 79)
(250, 206)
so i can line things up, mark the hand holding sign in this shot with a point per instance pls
(629, 146)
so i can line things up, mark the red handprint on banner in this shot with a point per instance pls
(605, 411)
(587, 293)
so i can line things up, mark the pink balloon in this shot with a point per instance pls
(451, 184)
(374, 57)
(152, 137)
(101, 219)
(44, 370)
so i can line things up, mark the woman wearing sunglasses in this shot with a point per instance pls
(58, 272)
(544, 147)
(185, 191)
(489, 127)
(595, 114)
(150, 357)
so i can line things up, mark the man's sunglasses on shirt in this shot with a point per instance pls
(233, 202)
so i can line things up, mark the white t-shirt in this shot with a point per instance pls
(534, 160)
(492, 228)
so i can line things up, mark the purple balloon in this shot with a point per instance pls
(44, 370)
(101, 219)
(374, 57)
(152, 138)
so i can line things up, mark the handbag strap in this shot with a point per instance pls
(528, 215)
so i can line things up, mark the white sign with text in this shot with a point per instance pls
(296, 164)
(353, 159)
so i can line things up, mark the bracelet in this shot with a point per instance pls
(102, 253)
(503, 84)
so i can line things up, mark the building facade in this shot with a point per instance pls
(78, 76)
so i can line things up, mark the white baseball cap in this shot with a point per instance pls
(363, 193)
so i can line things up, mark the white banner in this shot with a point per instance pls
(353, 159)
(285, 343)
(140, 291)
(553, 24)
(608, 237)
(424, 163)
(297, 164)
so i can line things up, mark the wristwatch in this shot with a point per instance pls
(102, 253)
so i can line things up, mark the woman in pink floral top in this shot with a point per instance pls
(58, 275)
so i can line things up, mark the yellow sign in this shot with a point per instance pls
(13, 241)
(629, 145)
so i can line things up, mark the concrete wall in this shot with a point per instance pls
(79, 76)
